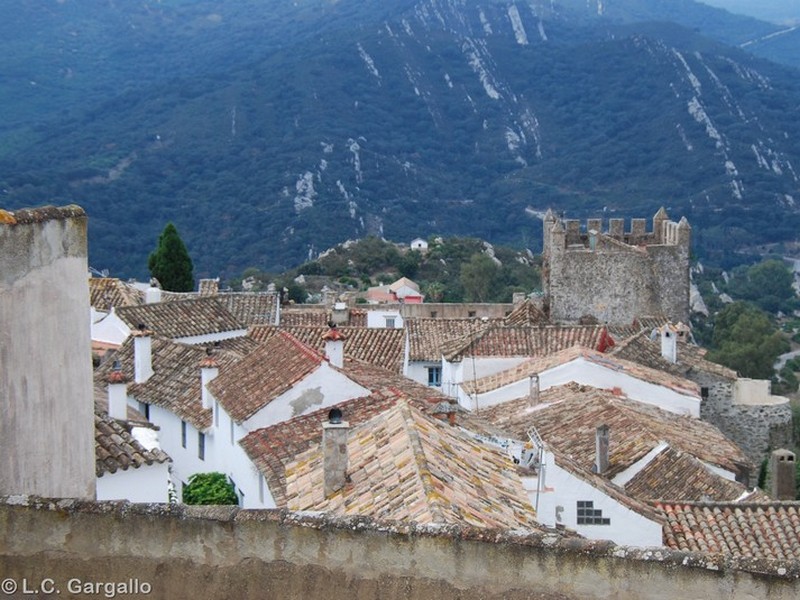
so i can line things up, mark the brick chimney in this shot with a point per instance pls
(334, 452)
(782, 468)
(117, 393)
(602, 439)
(533, 392)
(209, 369)
(142, 354)
(445, 411)
(669, 344)
(334, 346)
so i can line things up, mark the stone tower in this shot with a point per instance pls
(46, 405)
(616, 275)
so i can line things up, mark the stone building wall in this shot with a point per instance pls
(756, 429)
(616, 275)
(45, 354)
(224, 552)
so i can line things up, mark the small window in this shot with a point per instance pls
(389, 322)
(144, 408)
(183, 434)
(434, 314)
(704, 393)
(201, 445)
(589, 515)
(435, 376)
(471, 313)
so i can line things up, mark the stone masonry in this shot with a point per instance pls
(616, 275)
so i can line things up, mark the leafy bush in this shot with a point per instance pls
(209, 488)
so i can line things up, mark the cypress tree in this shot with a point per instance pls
(170, 262)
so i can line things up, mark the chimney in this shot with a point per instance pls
(334, 346)
(334, 452)
(142, 354)
(602, 438)
(669, 344)
(152, 294)
(117, 393)
(783, 475)
(533, 393)
(209, 369)
(445, 410)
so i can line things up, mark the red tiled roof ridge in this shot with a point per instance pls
(305, 349)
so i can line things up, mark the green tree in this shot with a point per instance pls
(209, 488)
(767, 284)
(745, 340)
(478, 276)
(170, 262)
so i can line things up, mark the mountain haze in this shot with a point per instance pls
(269, 131)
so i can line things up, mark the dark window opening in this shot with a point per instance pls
(589, 515)
(435, 376)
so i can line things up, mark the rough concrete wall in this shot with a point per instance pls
(755, 429)
(45, 379)
(227, 553)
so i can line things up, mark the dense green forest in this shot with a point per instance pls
(270, 131)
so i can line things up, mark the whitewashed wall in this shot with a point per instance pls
(147, 483)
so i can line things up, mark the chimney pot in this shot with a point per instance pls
(334, 453)
(783, 475)
(533, 396)
(142, 355)
(602, 440)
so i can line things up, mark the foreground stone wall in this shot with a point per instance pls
(224, 552)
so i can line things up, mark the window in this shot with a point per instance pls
(704, 393)
(435, 376)
(588, 515)
(201, 445)
(471, 313)
(183, 434)
(144, 408)
(389, 322)
(434, 314)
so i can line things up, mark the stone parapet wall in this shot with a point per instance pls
(224, 552)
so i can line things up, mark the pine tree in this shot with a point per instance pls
(170, 262)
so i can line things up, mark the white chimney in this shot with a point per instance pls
(334, 452)
(117, 394)
(533, 393)
(334, 347)
(602, 439)
(669, 344)
(142, 355)
(152, 294)
(209, 369)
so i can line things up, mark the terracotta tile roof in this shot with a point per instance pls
(549, 361)
(115, 448)
(182, 318)
(639, 324)
(404, 465)
(271, 448)
(568, 416)
(251, 308)
(640, 348)
(499, 341)
(675, 475)
(378, 346)
(759, 530)
(108, 292)
(526, 314)
(427, 337)
(175, 383)
(263, 375)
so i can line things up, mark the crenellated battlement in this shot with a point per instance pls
(587, 233)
